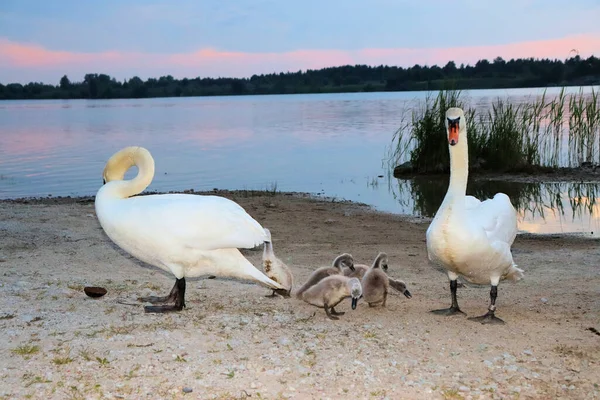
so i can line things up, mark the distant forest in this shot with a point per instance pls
(359, 78)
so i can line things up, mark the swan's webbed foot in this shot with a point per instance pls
(333, 312)
(177, 294)
(448, 311)
(171, 297)
(329, 313)
(488, 318)
(156, 299)
(454, 309)
(164, 309)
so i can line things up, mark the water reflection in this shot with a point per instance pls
(330, 144)
(542, 207)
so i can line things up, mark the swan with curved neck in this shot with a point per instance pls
(469, 237)
(187, 235)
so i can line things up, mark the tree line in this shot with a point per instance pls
(484, 74)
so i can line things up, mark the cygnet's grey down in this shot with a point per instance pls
(376, 282)
(358, 272)
(337, 268)
(330, 292)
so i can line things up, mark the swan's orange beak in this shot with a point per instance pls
(453, 133)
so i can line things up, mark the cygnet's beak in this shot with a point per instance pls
(354, 303)
(104, 181)
(407, 294)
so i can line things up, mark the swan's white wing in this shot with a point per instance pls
(497, 217)
(200, 222)
(471, 202)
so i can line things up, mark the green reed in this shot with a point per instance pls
(558, 132)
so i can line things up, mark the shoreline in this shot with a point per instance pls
(236, 195)
(231, 341)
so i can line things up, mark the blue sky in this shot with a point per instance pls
(143, 35)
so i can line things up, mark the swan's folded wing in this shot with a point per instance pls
(497, 217)
(200, 222)
(471, 202)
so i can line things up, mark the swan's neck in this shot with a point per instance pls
(145, 163)
(459, 170)
(268, 250)
(377, 262)
(338, 264)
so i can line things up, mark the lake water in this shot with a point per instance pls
(327, 144)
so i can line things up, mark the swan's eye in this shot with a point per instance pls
(453, 123)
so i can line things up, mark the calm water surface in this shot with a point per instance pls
(328, 144)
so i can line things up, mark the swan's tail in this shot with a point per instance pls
(514, 274)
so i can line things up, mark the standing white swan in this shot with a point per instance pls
(187, 235)
(469, 237)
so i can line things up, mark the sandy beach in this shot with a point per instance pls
(232, 342)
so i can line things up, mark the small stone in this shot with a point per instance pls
(187, 390)
(528, 352)
(463, 389)
(544, 300)
(253, 385)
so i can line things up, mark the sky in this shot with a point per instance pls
(42, 40)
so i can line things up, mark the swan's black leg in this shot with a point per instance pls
(489, 317)
(329, 314)
(453, 310)
(171, 297)
(333, 312)
(179, 289)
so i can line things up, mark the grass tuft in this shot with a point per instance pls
(26, 350)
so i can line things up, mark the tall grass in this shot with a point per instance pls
(563, 131)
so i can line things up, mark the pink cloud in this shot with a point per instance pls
(27, 60)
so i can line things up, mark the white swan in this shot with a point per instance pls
(187, 235)
(469, 237)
